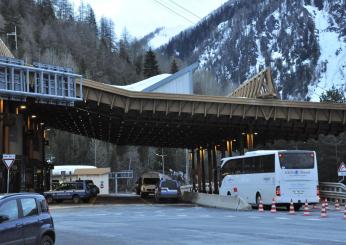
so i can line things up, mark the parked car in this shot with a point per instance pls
(25, 219)
(75, 191)
(168, 189)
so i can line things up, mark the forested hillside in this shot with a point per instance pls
(56, 32)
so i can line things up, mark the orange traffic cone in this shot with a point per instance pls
(260, 206)
(323, 211)
(337, 205)
(326, 204)
(306, 209)
(273, 208)
(345, 212)
(291, 208)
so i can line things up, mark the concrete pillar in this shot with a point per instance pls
(210, 167)
(199, 170)
(229, 147)
(250, 141)
(2, 141)
(241, 144)
(216, 180)
(203, 170)
(193, 169)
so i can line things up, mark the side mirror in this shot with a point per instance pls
(4, 218)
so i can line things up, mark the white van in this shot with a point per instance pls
(148, 182)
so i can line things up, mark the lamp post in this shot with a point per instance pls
(15, 36)
(163, 160)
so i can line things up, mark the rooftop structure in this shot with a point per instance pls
(177, 83)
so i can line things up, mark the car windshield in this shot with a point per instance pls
(170, 184)
(151, 181)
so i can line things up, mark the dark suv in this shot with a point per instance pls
(75, 191)
(25, 219)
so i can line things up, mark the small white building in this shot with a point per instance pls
(100, 176)
(177, 83)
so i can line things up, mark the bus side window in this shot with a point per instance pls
(268, 163)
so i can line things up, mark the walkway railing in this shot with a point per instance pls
(333, 191)
(39, 81)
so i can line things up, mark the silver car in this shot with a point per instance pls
(168, 190)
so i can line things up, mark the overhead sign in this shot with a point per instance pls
(342, 169)
(8, 160)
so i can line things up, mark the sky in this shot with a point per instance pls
(141, 17)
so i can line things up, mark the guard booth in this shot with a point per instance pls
(121, 181)
(22, 133)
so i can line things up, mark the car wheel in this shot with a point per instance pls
(46, 240)
(75, 199)
(49, 199)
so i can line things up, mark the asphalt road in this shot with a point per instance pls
(189, 224)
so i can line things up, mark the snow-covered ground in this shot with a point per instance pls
(331, 68)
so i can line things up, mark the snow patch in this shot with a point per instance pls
(166, 34)
(331, 67)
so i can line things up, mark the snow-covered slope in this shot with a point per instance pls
(304, 42)
(164, 35)
(331, 67)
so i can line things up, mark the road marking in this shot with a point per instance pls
(314, 219)
(283, 218)
(181, 215)
(230, 216)
(254, 217)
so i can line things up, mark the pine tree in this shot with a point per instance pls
(333, 95)
(174, 67)
(151, 67)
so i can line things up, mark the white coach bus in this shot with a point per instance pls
(267, 174)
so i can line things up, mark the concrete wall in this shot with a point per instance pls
(216, 201)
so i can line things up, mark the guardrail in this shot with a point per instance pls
(189, 188)
(333, 191)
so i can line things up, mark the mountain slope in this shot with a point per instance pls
(303, 41)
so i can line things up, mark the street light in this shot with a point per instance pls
(163, 160)
(15, 36)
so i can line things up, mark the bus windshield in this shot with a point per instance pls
(297, 160)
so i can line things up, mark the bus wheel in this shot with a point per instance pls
(228, 193)
(258, 198)
(297, 206)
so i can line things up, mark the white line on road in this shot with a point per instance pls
(283, 218)
(181, 215)
(230, 216)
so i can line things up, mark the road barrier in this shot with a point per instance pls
(333, 191)
(292, 211)
(216, 201)
(260, 206)
(306, 209)
(273, 208)
(323, 210)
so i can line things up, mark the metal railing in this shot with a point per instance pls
(333, 191)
